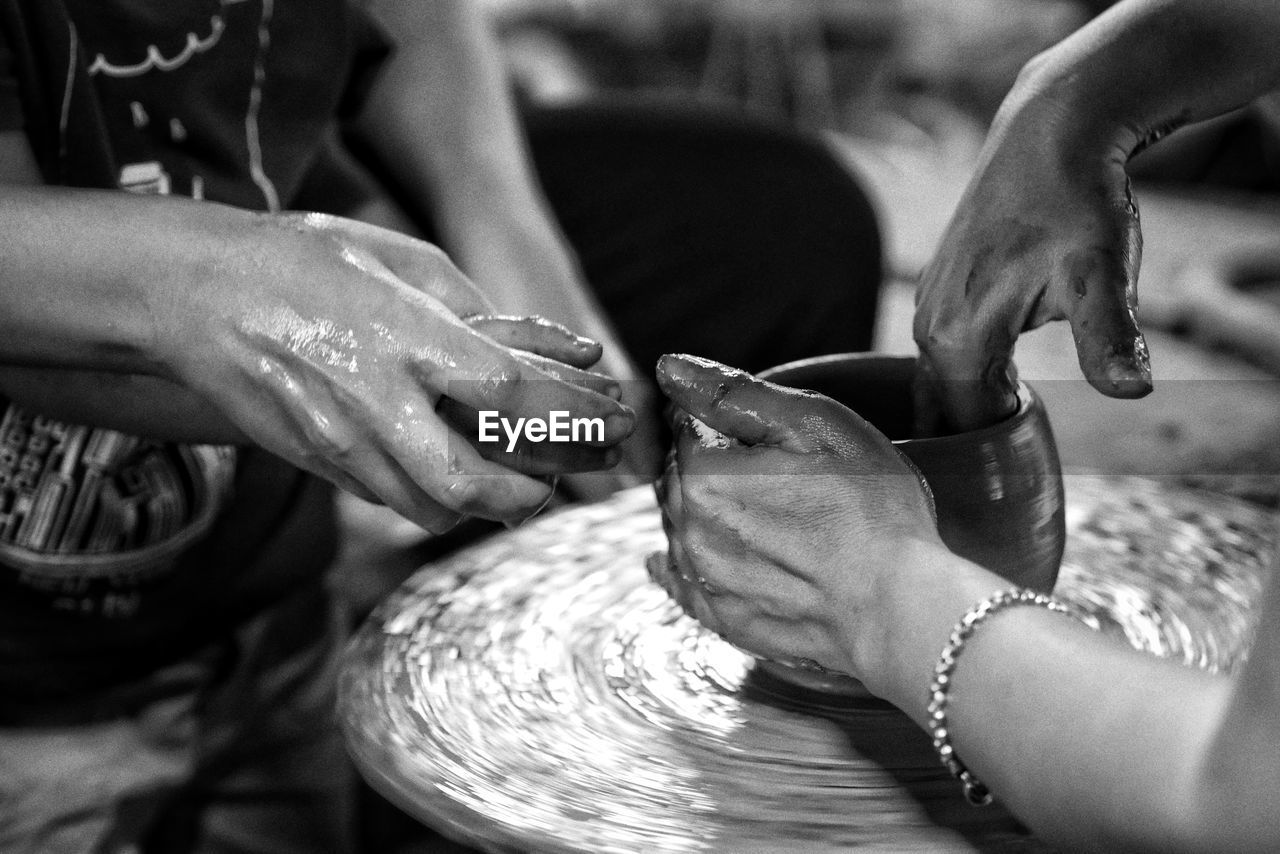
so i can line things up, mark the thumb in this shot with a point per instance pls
(1097, 292)
(731, 401)
(1101, 303)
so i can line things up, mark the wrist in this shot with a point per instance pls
(894, 646)
(109, 293)
(1053, 113)
(195, 280)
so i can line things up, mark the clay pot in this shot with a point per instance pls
(998, 490)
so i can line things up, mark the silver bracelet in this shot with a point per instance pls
(974, 790)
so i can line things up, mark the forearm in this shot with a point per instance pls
(442, 120)
(1147, 67)
(90, 279)
(1092, 744)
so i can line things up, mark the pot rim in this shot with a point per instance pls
(1027, 398)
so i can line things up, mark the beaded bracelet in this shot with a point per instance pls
(974, 790)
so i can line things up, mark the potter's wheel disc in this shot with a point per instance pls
(538, 692)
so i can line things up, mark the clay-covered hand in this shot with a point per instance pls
(1046, 230)
(786, 512)
(333, 343)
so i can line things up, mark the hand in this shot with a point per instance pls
(1045, 231)
(332, 343)
(786, 513)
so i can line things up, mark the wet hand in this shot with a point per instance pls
(340, 346)
(1041, 234)
(784, 510)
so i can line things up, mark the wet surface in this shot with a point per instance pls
(538, 692)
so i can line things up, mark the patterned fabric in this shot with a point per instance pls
(82, 509)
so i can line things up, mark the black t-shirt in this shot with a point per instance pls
(118, 554)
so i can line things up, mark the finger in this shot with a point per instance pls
(344, 481)
(732, 402)
(658, 567)
(599, 383)
(383, 482)
(1101, 309)
(474, 486)
(780, 640)
(670, 497)
(662, 571)
(315, 433)
(700, 605)
(539, 335)
(473, 370)
(958, 389)
(675, 581)
(440, 462)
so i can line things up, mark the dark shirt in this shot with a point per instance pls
(118, 554)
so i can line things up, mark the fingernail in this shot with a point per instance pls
(1127, 381)
(552, 482)
(620, 424)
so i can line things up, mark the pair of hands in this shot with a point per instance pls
(789, 517)
(363, 356)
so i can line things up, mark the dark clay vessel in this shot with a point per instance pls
(998, 490)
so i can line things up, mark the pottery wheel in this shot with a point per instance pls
(537, 692)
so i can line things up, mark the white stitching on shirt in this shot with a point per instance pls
(256, 171)
(157, 61)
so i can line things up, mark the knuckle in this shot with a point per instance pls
(702, 493)
(501, 382)
(432, 254)
(324, 439)
(462, 494)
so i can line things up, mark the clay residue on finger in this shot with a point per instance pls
(708, 437)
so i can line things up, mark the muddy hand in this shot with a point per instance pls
(757, 470)
(1037, 236)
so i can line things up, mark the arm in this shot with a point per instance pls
(441, 117)
(1048, 226)
(1092, 744)
(328, 342)
(133, 403)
